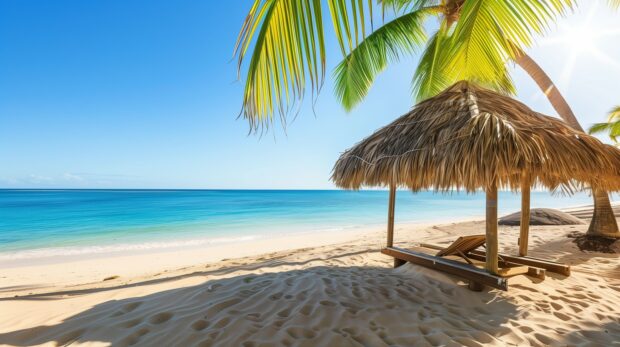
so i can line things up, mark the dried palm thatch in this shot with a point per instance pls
(468, 137)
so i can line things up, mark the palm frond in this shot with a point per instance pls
(287, 41)
(614, 113)
(488, 33)
(356, 73)
(432, 74)
(598, 128)
(408, 5)
(612, 126)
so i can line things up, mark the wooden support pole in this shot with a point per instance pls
(491, 229)
(390, 226)
(525, 214)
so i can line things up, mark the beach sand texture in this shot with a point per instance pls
(344, 294)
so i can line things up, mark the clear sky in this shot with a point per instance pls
(143, 94)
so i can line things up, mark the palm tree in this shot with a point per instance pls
(612, 126)
(473, 41)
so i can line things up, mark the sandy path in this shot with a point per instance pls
(340, 295)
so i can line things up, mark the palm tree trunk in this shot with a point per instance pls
(603, 220)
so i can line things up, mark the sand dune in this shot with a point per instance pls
(338, 295)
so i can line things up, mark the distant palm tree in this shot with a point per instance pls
(612, 126)
(474, 40)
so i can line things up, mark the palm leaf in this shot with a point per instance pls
(289, 51)
(489, 33)
(356, 73)
(612, 127)
(432, 75)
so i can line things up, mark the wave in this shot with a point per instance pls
(123, 247)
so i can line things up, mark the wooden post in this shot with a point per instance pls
(491, 229)
(525, 214)
(390, 226)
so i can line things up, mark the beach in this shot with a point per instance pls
(312, 289)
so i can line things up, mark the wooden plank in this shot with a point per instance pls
(513, 271)
(491, 228)
(550, 266)
(428, 245)
(503, 263)
(390, 226)
(453, 267)
(537, 272)
(463, 244)
(525, 214)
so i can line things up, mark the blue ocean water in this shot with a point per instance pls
(37, 223)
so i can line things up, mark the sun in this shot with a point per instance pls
(583, 40)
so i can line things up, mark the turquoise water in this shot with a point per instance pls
(36, 223)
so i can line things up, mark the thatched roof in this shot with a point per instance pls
(468, 137)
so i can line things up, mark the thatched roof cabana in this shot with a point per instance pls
(470, 138)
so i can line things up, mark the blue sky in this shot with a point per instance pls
(143, 94)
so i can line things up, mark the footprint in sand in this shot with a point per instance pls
(131, 306)
(556, 306)
(127, 308)
(160, 318)
(284, 313)
(300, 332)
(135, 337)
(562, 316)
(544, 339)
(306, 310)
(200, 325)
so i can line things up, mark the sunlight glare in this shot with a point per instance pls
(583, 40)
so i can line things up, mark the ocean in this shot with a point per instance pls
(45, 223)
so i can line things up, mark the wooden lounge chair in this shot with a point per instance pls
(468, 248)
(464, 245)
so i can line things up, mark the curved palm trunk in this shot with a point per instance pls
(603, 220)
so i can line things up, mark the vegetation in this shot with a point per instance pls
(612, 126)
(473, 41)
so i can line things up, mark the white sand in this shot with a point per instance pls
(342, 294)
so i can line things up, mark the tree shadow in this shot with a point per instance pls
(321, 305)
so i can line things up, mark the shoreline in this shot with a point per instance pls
(128, 265)
(94, 268)
(45, 255)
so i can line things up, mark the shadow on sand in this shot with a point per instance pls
(316, 306)
(323, 305)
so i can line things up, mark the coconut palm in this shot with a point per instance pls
(474, 40)
(612, 126)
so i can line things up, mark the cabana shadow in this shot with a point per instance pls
(362, 304)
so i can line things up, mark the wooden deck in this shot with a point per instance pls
(468, 272)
